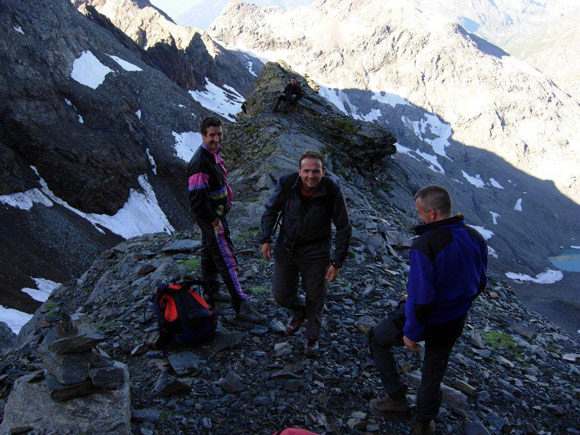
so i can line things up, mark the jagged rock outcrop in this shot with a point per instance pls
(187, 55)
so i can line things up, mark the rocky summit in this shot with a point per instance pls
(511, 372)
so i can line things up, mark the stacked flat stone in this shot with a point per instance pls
(74, 365)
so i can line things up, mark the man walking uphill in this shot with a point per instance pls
(308, 202)
(211, 198)
(448, 271)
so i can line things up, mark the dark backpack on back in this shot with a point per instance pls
(182, 314)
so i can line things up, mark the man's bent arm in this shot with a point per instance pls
(198, 185)
(421, 294)
(273, 208)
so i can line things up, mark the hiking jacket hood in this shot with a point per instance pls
(209, 191)
(448, 271)
(306, 230)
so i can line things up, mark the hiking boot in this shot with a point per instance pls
(248, 313)
(387, 405)
(311, 347)
(222, 296)
(423, 428)
(293, 325)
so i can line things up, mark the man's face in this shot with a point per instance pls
(213, 137)
(425, 215)
(311, 172)
(293, 81)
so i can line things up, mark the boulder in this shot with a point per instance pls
(30, 405)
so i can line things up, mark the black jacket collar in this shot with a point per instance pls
(422, 229)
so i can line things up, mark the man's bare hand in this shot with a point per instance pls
(216, 223)
(331, 273)
(410, 344)
(266, 251)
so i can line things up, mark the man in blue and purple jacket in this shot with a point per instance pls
(210, 197)
(448, 271)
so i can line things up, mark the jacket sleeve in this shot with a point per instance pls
(483, 272)
(273, 209)
(198, 185)
(343, 229)
(421, 294)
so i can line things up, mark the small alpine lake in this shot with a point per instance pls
(568, 260)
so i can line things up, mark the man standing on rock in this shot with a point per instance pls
(448, 271)
(308, 203)
(211, 198)
(292, 93)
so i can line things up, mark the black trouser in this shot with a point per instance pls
(287, 270)
(286, 99)
(217, 257)
(439, 340)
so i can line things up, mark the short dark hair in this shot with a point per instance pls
(209, 121)
(311, 155)
(435, 197)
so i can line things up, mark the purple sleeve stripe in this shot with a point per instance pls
(199, 181)
(218, 192)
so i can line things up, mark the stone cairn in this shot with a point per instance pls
(75, 366)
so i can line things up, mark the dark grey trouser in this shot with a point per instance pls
(439, 341)
(287, 270)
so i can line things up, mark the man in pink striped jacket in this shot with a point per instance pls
(211, 198)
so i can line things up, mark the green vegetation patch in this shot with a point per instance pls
(248, 235)
(345, 125)
(193, 263)
(502, 340)
(109, 326)
(259, 290)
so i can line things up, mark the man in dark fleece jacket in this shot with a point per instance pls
(210, 197)
(308, 202)
(448, 271)
(292, 93)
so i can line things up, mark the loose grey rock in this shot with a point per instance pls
(232, 383)
(76, 344)
(227, 340)
(282, 349)
(182, 246)
(111, 377)
(476, 428)
(184, 363)
(167, 385)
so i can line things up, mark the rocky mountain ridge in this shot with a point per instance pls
(553, 50)
(489, 100)
(512, 372)
(187, 55)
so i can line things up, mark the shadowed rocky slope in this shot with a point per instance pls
(91, 145)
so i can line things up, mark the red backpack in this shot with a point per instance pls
(183, 314)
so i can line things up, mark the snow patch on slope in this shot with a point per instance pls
(89, 71)
(548, 277)
(186, 144)
(227, 101)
